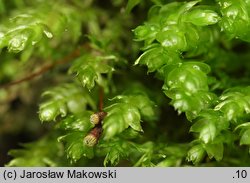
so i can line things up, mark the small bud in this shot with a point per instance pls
(93, 136)
(97, 117)
(90, 140)
(94, 119)
(48, 113)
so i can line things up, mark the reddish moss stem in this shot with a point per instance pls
(101, 95)
(46, 68)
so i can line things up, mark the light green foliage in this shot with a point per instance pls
(196, 154)
(30, 28)
(161, 155)
(245, 138)
(235, 103)
(169, 26)
(74, 146)
(117, 150)
(156, 57)
(131, 4)
(89, 68)
(197, 59)
(201, 17)
(140, 100)
(121, 116)
(244, 133)
(209, 124)
(195, 29)
(45, 152)
(187, 85)
(61, 100)
(127, 112)
(235, 18)
(76, 122)
(215, 150)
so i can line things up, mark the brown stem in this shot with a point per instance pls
(29, 77)
(101, 94)
(46, 68)
(96, 131)
(97, 117)
(93, 136)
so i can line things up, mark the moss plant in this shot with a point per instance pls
(128, 83)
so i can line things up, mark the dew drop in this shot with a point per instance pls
(1, 34)
(18, 43)
(33, 43)
(48, 34)
(170, 83)
(196, 67)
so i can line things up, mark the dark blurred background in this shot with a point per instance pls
(19, 122)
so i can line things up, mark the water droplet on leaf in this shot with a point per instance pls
(48, 34)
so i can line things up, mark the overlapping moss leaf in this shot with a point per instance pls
(74, 146)
(62, 100)
(174, 35)
(28, 28)
(88, 69)
(44, 152)
(127, 111)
